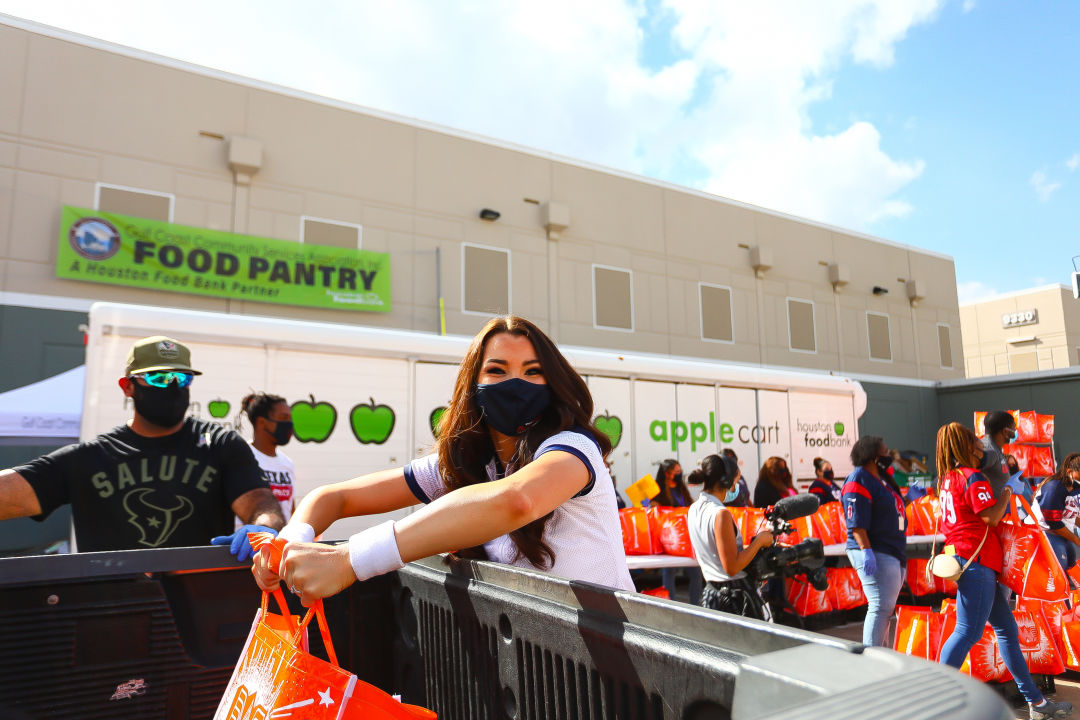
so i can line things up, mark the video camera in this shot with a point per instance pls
(806, 558)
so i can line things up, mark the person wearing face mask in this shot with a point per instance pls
(1000, 428)
(717, 542)
(1059, 502)
(517, 477)
(674, 493)
(743, 498)
(876, 545)
(161, 480)
(271, 422)
(824, 487)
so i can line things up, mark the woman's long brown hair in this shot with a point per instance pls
(773, 471)
(955, 448)
(464, 445)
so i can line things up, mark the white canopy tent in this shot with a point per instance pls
(50, 408)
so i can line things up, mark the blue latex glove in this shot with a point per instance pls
(238, 541)
(869, 563)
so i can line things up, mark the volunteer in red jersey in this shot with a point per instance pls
(824, 485)
(969, 516)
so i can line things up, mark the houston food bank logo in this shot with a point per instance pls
(823, 434)
(94, 238)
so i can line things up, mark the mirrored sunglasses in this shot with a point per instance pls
(163, 379)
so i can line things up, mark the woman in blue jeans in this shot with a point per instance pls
(969, 517)
(874, 512)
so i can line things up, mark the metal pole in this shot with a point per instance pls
(438, 291)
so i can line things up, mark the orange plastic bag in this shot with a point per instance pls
(1046, 428)
(635, 531)
(1029, 567)
(916, 578)
(275, 676)
(845, 589)
(828, 524)
(674, 533)
(1040, 462)
(656, 513)
(750, 522)
(1036, 643)
(660, 592)
(1027, 429)
(1054, 613)
(980, 416)
(805, 599)
(920, 631)
(924, 511)
(984, 662)
(947, 587)
(1070, 639)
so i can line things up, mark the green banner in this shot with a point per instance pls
(121, 250)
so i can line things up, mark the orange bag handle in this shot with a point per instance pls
(275, 547)
(279, 598)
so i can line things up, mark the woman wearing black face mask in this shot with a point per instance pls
(876, 545)
(271, 420)
(824, 486)
(517, 476)
(674, 493)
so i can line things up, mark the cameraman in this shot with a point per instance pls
(876, 545)
(717, 542)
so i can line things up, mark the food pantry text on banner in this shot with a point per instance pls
(121, 250)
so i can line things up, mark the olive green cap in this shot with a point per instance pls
(159, 354)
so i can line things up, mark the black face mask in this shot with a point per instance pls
(282, 432)
(512, 406)
(828, 474)
(677, 478)
(884, 462)
(164, 407)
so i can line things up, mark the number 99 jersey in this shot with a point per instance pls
(964, 494)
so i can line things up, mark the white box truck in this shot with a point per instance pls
(364, 399)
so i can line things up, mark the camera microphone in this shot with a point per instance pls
(796, 506)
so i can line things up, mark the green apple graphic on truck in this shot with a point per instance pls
(371, 423)
(611, 426)
(434, 418)
(313, 421)
(218, 408)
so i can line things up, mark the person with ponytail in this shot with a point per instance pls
(517, 477)
(824, 486)
(271, 423)
(969, 516)
(717, 542)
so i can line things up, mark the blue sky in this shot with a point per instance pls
(950, 125)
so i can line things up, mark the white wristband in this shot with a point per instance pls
(297, 532)
(374, 551)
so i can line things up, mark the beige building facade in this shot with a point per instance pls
(1021, 332)
(598, 258)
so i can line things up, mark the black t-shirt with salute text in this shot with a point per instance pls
(128, 491)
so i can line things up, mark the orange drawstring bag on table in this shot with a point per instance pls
(845, 589)
(675, 534)
(275, 677)
(656, 514)
(635, 531)
(917, 581)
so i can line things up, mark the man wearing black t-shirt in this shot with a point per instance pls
(160, 480)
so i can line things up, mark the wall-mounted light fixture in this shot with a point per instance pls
(489, 214)
(878, 290)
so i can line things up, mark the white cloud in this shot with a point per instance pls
(1044, 187)
(568, 77)
(1073, 162)
(973, 291)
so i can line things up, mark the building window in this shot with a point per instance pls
(332, 233)
(802, 337)
(485, 282)
(716, 316)
(133, 202)
(613, 298)
(944, 341)
(877, 330)
(1024, 362)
